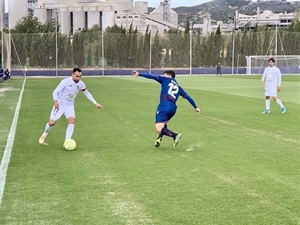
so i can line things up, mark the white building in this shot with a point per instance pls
(244, 22)
(265, 18)
(74, 15)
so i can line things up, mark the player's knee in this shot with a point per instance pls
(52, 123)
(71, 120)
(158, 128)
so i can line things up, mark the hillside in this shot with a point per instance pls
(224, 9)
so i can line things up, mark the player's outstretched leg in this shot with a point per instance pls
(42, 138)
(176, 140)
(159, 139)
(45, 133)
(157, 142)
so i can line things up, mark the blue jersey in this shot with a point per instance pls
(170, 91)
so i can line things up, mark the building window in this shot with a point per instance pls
(86, 20)
(71, 22)
(100, 21)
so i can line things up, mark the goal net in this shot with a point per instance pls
(288, 64)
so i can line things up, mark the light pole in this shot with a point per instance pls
(237, 63)
(191, 46)
(56, 49)
(56, 36)
(2, 39)
(233, 44)
(150, 50)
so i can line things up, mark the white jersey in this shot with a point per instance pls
(67, 90)
(272, 76)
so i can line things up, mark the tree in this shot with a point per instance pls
(31, 24)
(78, 49)
(113, 44)
(69, 52)
(28, 24)
(217, 47)
(132, 47)
(146, 48)
(156, 51)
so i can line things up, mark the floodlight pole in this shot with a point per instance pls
(150, 50)
(56, 45)
(276, 42)
(233, 44)
(191, 46)
(56, 49)
(2, 39)
(237, 63)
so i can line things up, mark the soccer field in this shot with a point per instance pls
(233, 165)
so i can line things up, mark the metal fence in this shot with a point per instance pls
(119, 51)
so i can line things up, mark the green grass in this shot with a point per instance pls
(233, 165)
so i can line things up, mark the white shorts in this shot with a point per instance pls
(68, 110)
(271, 90)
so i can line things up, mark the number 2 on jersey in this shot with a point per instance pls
(173, 90)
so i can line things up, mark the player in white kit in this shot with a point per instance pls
(271, 79)
(63, 97)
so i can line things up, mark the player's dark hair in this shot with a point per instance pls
(271, 59)
(170, 72)
(76, 69)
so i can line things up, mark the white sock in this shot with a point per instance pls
(69, 132)
(47, 128)
(279, 102)
(268, 104)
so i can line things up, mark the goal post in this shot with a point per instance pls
(288, 64)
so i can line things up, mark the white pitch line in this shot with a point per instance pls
(9, 144)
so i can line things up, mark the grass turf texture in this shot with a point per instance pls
(233, 165)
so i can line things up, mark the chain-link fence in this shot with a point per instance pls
(115, 51)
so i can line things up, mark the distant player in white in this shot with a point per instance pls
(63, 97)
(271, 79)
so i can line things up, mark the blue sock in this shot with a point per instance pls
(161, 135)
(167, 132)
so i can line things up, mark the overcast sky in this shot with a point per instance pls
(177, 3)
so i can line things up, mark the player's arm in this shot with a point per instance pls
(146, 75)
(279, 80)
(263, 78)
(190, 100)
(91, 98)
(56, 92)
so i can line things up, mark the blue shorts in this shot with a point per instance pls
(165, 111)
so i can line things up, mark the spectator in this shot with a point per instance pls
(219, 69)
(6, 74)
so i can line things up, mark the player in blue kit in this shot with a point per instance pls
(170, 91)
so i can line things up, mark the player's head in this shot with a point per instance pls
(271, 62)
(169, 73)
(76, 74)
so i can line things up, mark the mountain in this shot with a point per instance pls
(224, 10)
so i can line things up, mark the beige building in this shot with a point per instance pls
(265, 18)
(244, 22)
(74, 15)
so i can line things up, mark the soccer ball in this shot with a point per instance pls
(70, 144)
